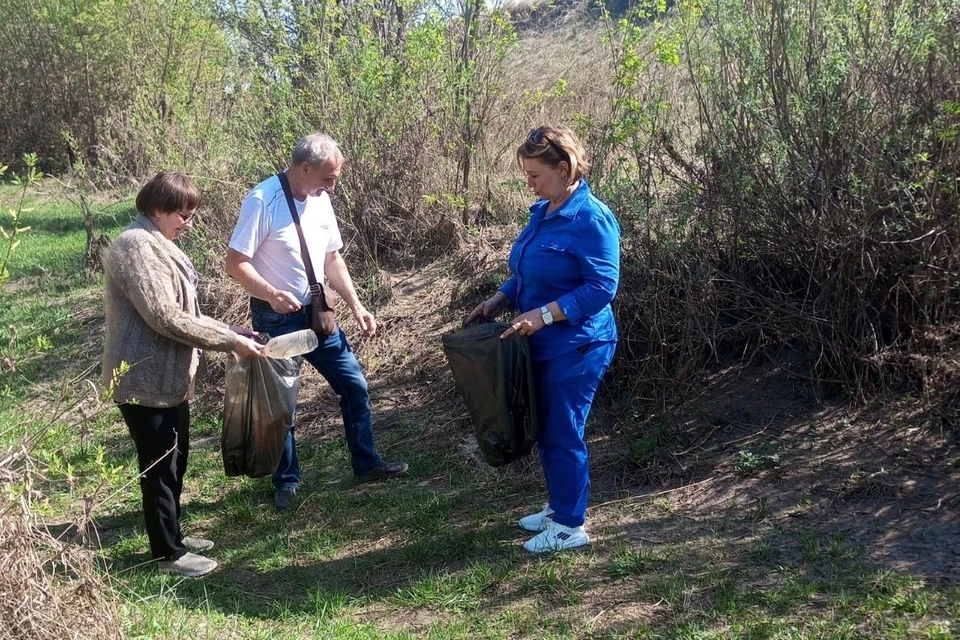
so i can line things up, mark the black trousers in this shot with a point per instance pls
(162, 438)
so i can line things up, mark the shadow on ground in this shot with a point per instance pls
(755, 493)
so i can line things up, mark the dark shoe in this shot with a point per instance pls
(188, 565)
(284, 499)
(383, 471)
(197, 545)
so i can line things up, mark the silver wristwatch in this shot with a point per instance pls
(546, 315)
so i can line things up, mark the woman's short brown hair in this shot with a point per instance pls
(553, 144)
(168, 192)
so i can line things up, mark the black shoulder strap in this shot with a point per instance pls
(307, 263)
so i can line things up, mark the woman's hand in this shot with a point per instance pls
(247, 348)
(489, 307)
(525, 324)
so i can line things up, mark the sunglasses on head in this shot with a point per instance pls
(536, 136)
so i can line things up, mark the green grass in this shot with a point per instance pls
(50, 310)
(433, 555)
(53, 247)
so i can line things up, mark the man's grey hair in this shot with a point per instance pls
(317, 149)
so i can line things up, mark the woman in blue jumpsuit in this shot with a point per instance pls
(566, 267)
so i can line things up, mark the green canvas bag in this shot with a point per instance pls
(495, 378)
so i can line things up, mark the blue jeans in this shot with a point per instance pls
(566, 386)
(335, 361)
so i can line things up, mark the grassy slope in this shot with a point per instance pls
(435, 554)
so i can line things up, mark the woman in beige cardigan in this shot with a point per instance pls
(154, 325)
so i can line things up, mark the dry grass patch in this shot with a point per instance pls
(49, 589)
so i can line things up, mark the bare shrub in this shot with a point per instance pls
(784, 173)
(811, 203)
(51, 587)
(48, 589)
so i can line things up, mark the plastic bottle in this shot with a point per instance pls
(291, 344)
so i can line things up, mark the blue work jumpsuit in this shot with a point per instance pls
(571, 256)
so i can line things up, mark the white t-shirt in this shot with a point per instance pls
(265, 233)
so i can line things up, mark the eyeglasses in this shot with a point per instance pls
(537, 136)
(187, 217)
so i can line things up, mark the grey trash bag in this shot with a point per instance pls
(259, 403)
(495, 378)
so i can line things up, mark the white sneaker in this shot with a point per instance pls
(557, 537)
(189, 565)
(197, 545)
(537, 521)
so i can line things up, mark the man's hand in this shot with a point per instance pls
(283, 301)
(242, 270)
(368, 324)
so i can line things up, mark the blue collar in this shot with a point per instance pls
(571, 207)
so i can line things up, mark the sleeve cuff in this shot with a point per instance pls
(569, 307)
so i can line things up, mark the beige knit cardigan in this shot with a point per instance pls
(153, 320)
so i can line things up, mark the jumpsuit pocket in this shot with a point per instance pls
(556, 256)
(556, 244)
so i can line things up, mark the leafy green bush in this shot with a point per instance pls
(784, 172)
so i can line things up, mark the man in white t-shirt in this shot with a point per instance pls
(265, 257)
